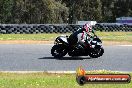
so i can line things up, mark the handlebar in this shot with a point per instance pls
(91, 36)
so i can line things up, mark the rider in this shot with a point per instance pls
(81, 34)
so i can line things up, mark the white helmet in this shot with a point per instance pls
(88, 27)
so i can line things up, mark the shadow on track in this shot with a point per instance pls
(66, 58)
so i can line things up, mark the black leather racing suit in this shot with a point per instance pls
(73, 39)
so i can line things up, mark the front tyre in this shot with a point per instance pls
(58, 51)
(95, 53)
(101, 52)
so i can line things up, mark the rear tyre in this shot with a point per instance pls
(58, 51)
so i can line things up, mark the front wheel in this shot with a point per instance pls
(95, 53)
(58, 51)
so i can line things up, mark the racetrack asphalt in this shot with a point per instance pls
(37, 57)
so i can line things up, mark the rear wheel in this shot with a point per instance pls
(58, 51)
(95, 53)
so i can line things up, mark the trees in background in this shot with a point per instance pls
(63, 11)
(32, 11)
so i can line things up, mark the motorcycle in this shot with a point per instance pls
(93, 48)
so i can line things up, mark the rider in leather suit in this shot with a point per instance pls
(81, 34)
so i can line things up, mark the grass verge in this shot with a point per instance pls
(105, 36)
(116, 36)
(46, 80)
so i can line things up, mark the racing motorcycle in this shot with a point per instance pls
(93, 48)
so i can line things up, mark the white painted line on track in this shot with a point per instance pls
(104, 45)
(124, 45)
(47, 44)
(38, 71)
(61, 72)
(55, 72)
(22, 71)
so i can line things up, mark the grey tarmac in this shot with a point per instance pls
(37, 57)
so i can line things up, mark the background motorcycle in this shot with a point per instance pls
(62, 47)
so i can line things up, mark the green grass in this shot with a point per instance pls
(28, 36)
(106, 36)
(115, 36)
(46, 80)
